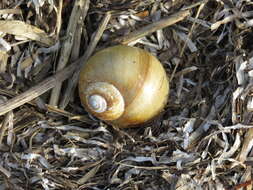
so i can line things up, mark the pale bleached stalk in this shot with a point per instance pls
(72, 83)
(149, 29)
(67, 46)
(37, 90)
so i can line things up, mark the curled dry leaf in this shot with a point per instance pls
(21, 29)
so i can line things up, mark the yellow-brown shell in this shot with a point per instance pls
(137, 75)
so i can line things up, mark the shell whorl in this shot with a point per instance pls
(97, 103)
(104, 100)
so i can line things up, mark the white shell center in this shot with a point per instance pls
(97, 103)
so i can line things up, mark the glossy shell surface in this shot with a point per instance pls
(136, 74)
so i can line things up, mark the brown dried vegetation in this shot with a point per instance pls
(204, 138)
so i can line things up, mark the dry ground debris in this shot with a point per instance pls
(203, 139)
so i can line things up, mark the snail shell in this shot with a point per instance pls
(124, 86)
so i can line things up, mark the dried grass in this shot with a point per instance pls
(204, 138)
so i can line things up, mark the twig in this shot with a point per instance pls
(247, 145)
(96, 37)
(59, 19)
(135, 35)
(182, 51)
(5, 172)
(186, 70)
(3, 61)
(145, 167)
(4, 126)
(51, 109)
(231, 18)
(74, 56)
(37, 90)
(226, 20)
(67, 46)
